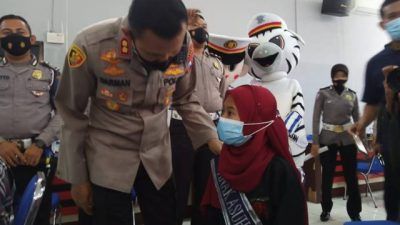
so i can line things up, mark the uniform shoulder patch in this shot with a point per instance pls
(76, 56)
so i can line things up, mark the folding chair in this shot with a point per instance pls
(55, 209)
(30, 201)
(366, 169)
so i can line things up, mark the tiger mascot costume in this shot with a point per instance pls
(273, 53)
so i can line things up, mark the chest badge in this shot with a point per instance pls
(107, 93)
(123, 96)
(168, 95)
(37, 74)
(174, 71)
(113, 106)
(38, 93)
(112, 68)
(216, 66)
(348, 97)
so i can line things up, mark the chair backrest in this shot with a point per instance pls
(30, 200)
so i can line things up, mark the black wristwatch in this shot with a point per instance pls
(40, 144)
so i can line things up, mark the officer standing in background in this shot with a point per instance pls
(132, 69)
(210, 89)
(338, 105)
(28, 120)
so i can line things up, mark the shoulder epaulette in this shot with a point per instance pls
(48, 65)
(352, 91)
(325, 88)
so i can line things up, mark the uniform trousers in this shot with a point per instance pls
(111, 207)
(348, 155)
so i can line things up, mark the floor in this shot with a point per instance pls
(339, 214)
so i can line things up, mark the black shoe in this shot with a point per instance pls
(355, 218)
(325, 216)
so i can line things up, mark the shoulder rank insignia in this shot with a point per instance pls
(76, 57)
(125, 47)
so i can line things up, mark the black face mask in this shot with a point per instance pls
(155, 65)
(200, 35)
(164, 65)
(16, 44)
(339, 85)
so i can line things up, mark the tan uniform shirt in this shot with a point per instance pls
(335, 110)
(211, 84)
(127, 121)
(26, 97)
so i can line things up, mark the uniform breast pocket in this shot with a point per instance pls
(4, 85)
(5, 93)
(38, 90)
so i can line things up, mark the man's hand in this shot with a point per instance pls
(315, 150)
(33, 155)
(10, 153)
(215, 146)
(357, 129)
(83, 197)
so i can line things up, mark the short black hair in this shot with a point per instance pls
(384, 4)
(339, 68)
(163, 17)
(16, 17)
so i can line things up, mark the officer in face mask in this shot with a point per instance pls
(28, 119)
(337, 105)
(210, 90)
(132, 69)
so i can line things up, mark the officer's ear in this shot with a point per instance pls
(382, 25)
(33, 39)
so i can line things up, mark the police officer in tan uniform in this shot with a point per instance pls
(210, 89)
(132, 69)
(338, 106)
(28, 120)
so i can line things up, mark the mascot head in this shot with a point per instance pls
(274, 50)
(232, 52)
